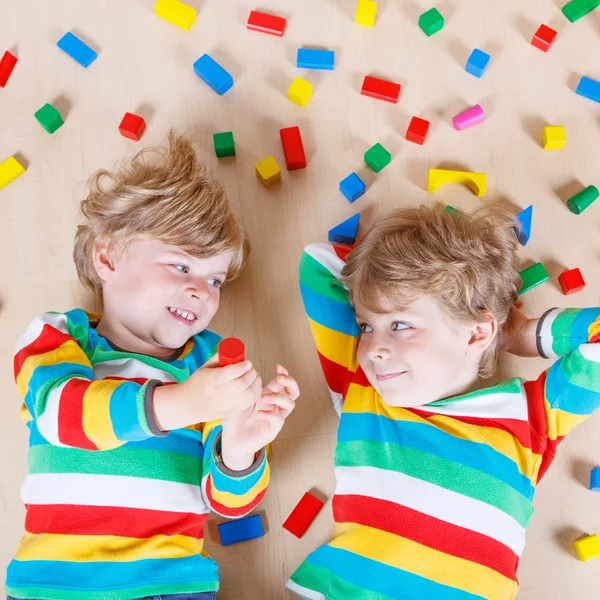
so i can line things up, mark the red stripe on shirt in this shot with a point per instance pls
(70, 415)
(49, 339)
(228, 511)
(538, 420)
(337, 376)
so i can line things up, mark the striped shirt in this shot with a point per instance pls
(115, 508)
(433, 502)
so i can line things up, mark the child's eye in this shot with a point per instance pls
(400, 326)
(365, 328)
(216, 283)
(182, 268)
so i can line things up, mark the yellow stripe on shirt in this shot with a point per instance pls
(232, 501)
(97, 424)
(335, 346)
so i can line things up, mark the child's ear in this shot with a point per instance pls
(482, 335)
(102, 261)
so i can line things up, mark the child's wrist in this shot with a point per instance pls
(235, 461)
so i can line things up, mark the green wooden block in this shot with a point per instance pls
(576, 9)
(431, 22)
(377, 157)
(532, 277)
(49, 118)
(580, 201)
(224, 145)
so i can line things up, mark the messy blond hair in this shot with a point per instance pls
(466, 261)
(160, 194)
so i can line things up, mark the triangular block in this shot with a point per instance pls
(345, 233)
(524, 218)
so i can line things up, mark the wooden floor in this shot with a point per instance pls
(145, 66)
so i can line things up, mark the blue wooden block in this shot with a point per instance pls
(352, 187)
(524, 218)
(212, 73)
(595, 480)
(309, 58)
(588, 88)
(345, 233)
(77, 50)
(240, 530)
(478, 62)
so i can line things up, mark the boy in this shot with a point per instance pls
(436, 475)
(126, 454)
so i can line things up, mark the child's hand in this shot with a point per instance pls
(247, 432)
(518, 335)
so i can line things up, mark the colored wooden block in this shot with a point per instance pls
(431, 22)
(468, 118)
(532, 277)
(377, 157)
(240, 530)
(576, 9)
(300, 91)
(380, 89)
(231, 351)
(554, 137)
(268, 171)
(571, 281)
(224, 144)
(583, 199)
(595, 480)
(544, 38)
(478, 62)
(293, 149)
(176, 12)
(366, 11)
(132, 126)
(213, 74)
(345, 233)
(523, 232)
(313, 58)
(265, 23)
(7, 64)
(303, 515)
(49, 118)
(352, 187)
(475, 181)
(587, 547)
(417, 130)
(10, 169)
(77, 50)
(589, 88)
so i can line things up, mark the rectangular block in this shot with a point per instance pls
(241, 530)
(532, 277)
(588, 88)
(77, 50)
(595, 480)
(265, 23)
(224, 144)
(366, 11)
(310, 58)
(576, 9)
(417, 130)
(293, 149)
(380, 89)
(176, 12)
(303, 515)
(10, 169)
(213, 74)
(7, 64)
(477, 63)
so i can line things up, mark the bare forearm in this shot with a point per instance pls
(526, 342)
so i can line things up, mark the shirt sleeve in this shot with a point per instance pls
(331, 316)
(568, 392)
(55, 378)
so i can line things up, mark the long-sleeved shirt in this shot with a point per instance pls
(115, 508)
(433, 502)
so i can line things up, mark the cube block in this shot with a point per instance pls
(478, 62)
(268, 171)
(10, 169)
(571, 281)
(300, 91)
(431, 22)
(544, 38)
(303, 515)
(240, 530)
(213, 74)
(589, 88)
(366, 11)
(587, 547)
(49, 118)
(417, 130)
(132, 126)
(377, 157)
(352, 187)
(265, 23)
(224, 144)
(554, 137)
(176, 13)
(77, 50)
(532, 277)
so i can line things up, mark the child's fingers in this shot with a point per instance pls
(289, 385)
(275, 421)
(281, 370)
(231, 372)
(273, 387)
(283, 403)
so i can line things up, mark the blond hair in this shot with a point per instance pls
(466, 261)
(160, 194)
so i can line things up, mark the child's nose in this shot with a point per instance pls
(378, 350)
(199, 290)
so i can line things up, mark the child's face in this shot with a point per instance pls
(416, 356)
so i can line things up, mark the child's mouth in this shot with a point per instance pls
(181, 315)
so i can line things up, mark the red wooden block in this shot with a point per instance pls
(132, 126)
(380, 89)
(7, 64)
(231, 351)
(303, 515)
(266, 23)
(417, 130)
(291, 140)
(544, 38)
(571, 281)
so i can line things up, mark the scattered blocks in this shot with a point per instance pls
(132, 126)
(554, 137)
(213, 74)
(176, 12)
(524, 231)
(588, 88)
(344, 233)
(478, 62)
(304, 514)
(49, 118)
(77, 50)
(468, 118)
(231, 351)
(431, 22)
(240, 530)
(352, 187)
(475, 181)
(268, 171)
(293, 149)
(300, 91)
(595, 480)
(10, 169)
(265, 23)
(583, 199)
(576, 9)
(544, 38)
(311, 58)
(417, 130)
(587, 547)
(377, 157)
(571, 281)
(7, 64)
(224, 144)
(532, 277)
(366, 11)
(380, 89)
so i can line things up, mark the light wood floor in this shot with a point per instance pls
(145, 66)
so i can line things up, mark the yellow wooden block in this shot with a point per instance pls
(10, 169)
(587, 547)
(475, 181)
(268, 171)
(176, 12)
(366, 11)
(300, 91)
(554, 137)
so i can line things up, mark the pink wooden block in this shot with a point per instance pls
(468, 118)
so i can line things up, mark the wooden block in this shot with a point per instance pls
(431, 22)
(377, 157)
(583, 199)
(366, 11)
(352, 187)
(554, 137)
(265, 23)
(312, 58)
(49, 118)
(224, 144)
(475, 181)
(231, 351)
(268, 171)
(303, 515)
(293, 149)
(571, 281)
(532, 277)
(477, 63)
(240, 530)
(77, 50)
(576, 9)
(300, 91)
(176, 13)
(417, 130)
(544, 38)
(345, 233)
(7, 64)
(213, 74)
(10, 169)
(132, 126)
(380, 89)
(587, 547)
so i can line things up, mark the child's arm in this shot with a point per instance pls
(332, 318)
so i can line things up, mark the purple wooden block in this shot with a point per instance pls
(468, 118)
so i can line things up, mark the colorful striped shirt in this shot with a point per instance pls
(433, 502)
(115, 508)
